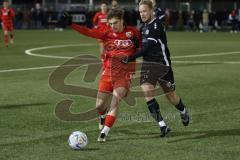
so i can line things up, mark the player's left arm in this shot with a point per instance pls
(151, 42)
(94, 33)
(142, 52)
(95, 19)
(136, 39)
(1, 14)
(12, 13)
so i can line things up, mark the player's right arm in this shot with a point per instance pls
(0, 15)
(95, 19)
(94, 33)
(152, 41)
(141, 52)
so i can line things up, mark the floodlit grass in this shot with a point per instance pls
(29, 128)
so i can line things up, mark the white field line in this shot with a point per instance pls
(29, 52)
(27, 69)
(207, 62)
(206, 55)
(38, 68)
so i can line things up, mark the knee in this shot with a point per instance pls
(148, 91)
(117, 96)
(99, 105)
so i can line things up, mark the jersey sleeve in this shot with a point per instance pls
(136, 38)
(137, 34)
(0, 15)
(95, 19)
(12, 13)
(94, 33)
(141, 52)
(159, 13)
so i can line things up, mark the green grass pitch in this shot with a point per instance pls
(208, 84)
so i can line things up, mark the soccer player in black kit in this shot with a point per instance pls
(156, 59)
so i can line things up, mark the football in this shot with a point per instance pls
(77, 140)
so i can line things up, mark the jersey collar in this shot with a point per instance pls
(152, 20)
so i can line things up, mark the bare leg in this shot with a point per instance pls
(173, 98)
(6, 39)
(101, 47)
(148, 90)
(101, 102)
(11, 37)
(118, 94)
(102, 107)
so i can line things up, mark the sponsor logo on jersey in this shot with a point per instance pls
(118, 44)
(123, 43)
(147, 31)
(129, 34)
(103, 20)
(155, 25)
(5, 13)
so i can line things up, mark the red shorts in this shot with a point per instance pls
(7, 27)
(107, 84)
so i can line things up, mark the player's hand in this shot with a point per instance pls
(135, 41)
(66, 14)
(8, 13)
(67, 17)
(125, 59)
(103, 56)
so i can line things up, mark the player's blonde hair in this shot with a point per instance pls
(149, 3)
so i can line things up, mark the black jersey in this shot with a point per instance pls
(154, 32)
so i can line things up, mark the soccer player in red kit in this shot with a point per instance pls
(100, 21)
(119, 41)
(6, 16)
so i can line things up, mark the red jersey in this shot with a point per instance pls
(7, 15)
(100, 19)
(116, 46)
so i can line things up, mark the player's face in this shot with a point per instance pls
(5, 4)
(116, 24)
(104, 8)
(146, 13)
(114, 4)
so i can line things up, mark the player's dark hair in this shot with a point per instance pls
(146, 2)
(115, 13)
(104, 2)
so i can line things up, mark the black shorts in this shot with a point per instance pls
(154, 73)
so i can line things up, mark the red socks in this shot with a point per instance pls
(109, 121)
(101, 113)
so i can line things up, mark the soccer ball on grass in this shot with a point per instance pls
(77, 140)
